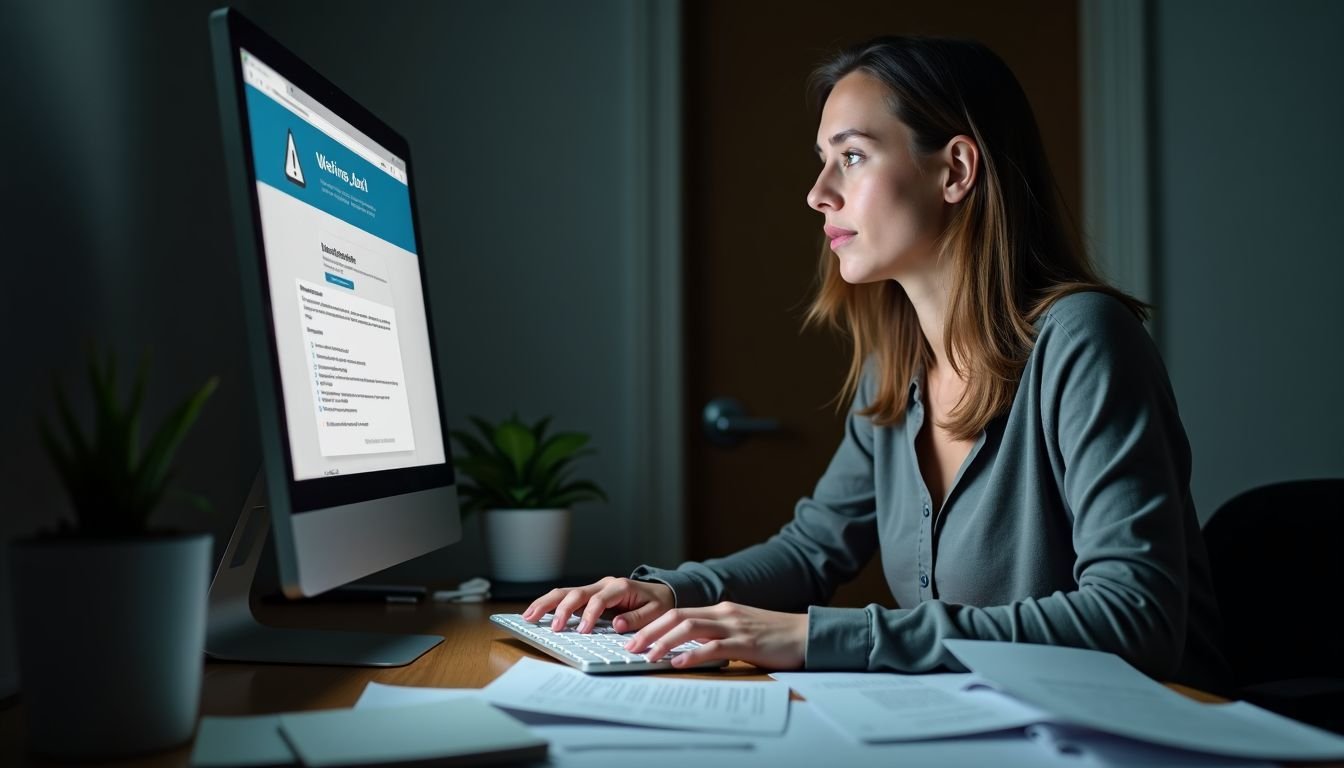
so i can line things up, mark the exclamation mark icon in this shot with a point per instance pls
(293, 171)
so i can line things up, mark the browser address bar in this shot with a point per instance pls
(341, 136)
(272, 86)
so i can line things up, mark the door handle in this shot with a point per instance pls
(726, 422)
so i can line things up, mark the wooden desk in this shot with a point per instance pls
(472, 654)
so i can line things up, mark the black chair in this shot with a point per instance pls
(1277, 556)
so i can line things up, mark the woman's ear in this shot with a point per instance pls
(962, 158)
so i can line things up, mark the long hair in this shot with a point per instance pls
(1011, 254)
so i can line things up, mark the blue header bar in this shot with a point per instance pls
(296, 158)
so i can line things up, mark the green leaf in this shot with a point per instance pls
(558, 448)
(473, 446)
(112, 450)
(559, 476)
(64, 465)
(133, 412)
(74, 437)
(104, 395)
(153, 471)
(539, 429)
(88, 471)
(486, 472)
(201, 503)
(487, 429)
(517, 443)
(110, 457)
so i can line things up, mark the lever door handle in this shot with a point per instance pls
(726, 422)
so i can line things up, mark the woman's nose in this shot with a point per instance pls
(822, 196)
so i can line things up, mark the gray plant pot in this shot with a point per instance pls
(526, 544)
(111, 636)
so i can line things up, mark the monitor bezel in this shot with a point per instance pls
(302, 496)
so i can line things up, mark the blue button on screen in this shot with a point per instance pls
(341, 281)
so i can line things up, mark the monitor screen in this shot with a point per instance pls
(346, 303)
(356, 472)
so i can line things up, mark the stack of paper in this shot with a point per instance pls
(1071, 700)
(702, 705)
(1029, 705)
(807, 739)
(881, 711)
(883, 707)
(1102, 691)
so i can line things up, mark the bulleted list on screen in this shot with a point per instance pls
(355, 371)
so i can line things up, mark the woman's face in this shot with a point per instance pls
(884, 212)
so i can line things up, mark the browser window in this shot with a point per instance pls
(351, 331)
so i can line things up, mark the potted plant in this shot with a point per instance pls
(521, 480)
(110, 612)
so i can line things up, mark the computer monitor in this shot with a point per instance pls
(356, 468)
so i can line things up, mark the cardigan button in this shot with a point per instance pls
(923, 580)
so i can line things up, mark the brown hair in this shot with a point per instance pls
(1012, 256)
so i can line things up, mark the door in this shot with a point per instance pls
(752, 242)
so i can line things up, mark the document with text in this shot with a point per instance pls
(354, 361)
(703, 705)
(876, 706)
(1102, 691)
(808, 739)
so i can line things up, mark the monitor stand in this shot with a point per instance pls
(234, 634)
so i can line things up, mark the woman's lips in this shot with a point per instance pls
(839, 236)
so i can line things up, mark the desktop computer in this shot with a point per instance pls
(356, 471)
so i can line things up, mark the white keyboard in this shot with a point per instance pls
(600, 652)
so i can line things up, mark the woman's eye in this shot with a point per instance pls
(850, 158)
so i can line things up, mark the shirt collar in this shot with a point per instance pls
(916, 386)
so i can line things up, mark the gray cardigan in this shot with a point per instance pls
(1070, 523)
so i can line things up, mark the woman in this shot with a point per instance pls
(1013, 451)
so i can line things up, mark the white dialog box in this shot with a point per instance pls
(354, 372)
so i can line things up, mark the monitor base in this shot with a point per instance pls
(234, 634)
(276, 645)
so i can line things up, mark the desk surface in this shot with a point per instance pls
(472, 654)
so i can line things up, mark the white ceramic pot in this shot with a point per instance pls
(111, 636)
(526, 544)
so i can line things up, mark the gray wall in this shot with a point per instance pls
(117, 230)
(1250, 262)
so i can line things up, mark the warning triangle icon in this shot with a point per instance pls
(293, 171)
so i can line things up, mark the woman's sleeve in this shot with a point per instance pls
(1121, 459)
(831, 538)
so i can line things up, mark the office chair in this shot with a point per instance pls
(1277, 556)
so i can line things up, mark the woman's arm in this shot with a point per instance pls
(1121, 462)
(831, 538)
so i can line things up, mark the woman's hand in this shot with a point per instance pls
(726, 631)
(642, 601)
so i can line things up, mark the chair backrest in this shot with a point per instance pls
(1277, 556)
